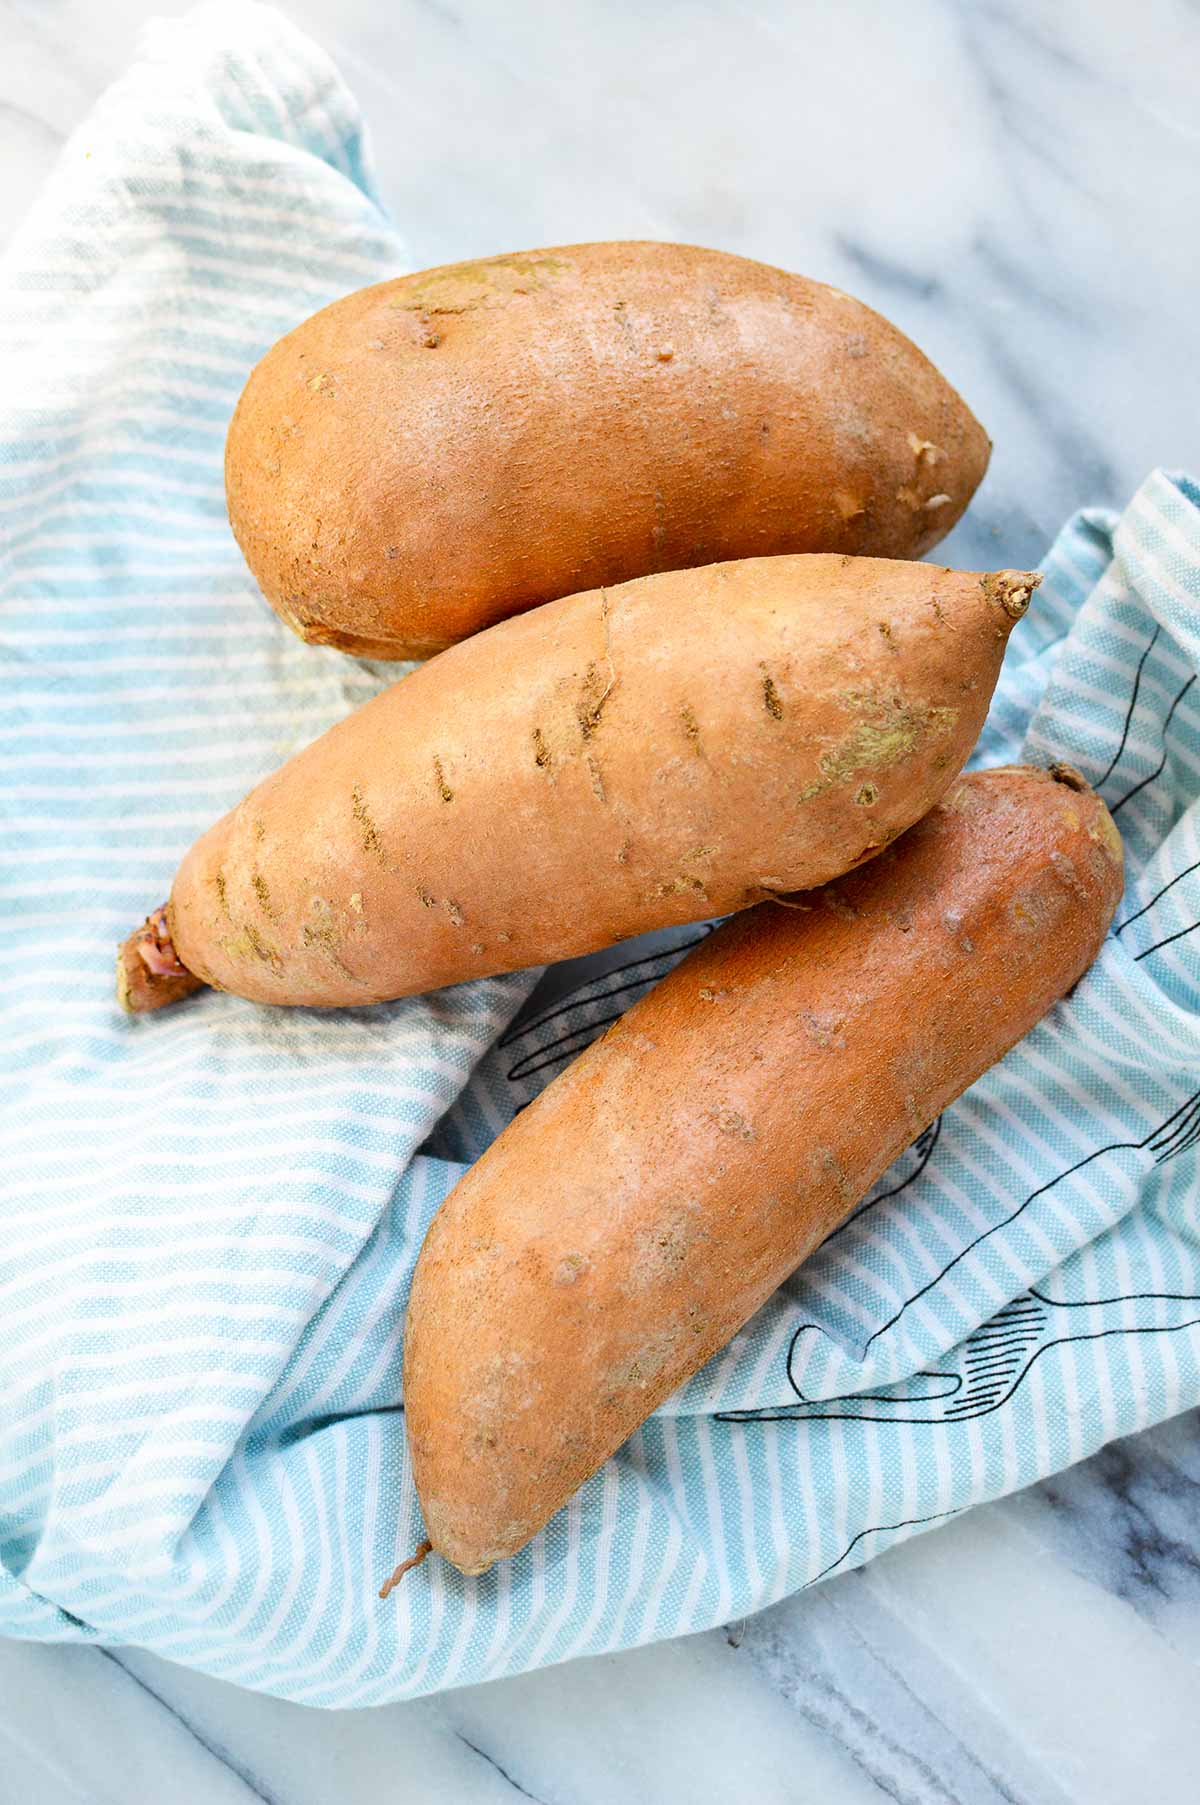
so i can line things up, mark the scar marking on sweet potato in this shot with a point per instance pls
(867, 794)
(439, 778)
(260, 831)
(823, 1027)
(596, 777)
(771, 700)
(886, 739)
(589, 706)
(323, 937)
(371, 842)
(835, 1171)
(597, 689)
(453, 911)
(541, 751)
(679, 886)
(731, 1121)
(249, 943)
(491, 282)
(259, 885)
(691, 728)
(924, 450)
(222, 898)
(1107, 835)
(426, 901)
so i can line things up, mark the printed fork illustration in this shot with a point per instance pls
(991, 1365)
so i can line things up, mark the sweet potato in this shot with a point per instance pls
(432, 454)
(661, 752)
(623, 1227)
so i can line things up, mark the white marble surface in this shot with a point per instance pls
(1015, 184)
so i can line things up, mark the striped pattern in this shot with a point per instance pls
(211, 1216)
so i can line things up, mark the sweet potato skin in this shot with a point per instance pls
(665, 751)
(626, 1224)
(431, 454)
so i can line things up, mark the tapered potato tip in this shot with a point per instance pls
(1012, 589)
(150, 973)
(414, 1560)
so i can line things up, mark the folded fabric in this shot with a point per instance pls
(211, 1216)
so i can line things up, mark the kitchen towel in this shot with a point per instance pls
(210, 1215)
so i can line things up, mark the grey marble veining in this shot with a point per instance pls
(1015, 185)
(1129, 1520)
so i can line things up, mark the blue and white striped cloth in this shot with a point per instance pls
(210, 1216)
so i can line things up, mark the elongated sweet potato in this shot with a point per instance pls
(627, 1223)
(661, 752)
(435, 453)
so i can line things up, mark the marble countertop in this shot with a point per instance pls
(1015, 185)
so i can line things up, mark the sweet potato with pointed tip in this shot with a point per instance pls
(431, 454)
(665, 751)
(623, 1227)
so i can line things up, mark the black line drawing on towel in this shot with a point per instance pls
(987, 1369)
(980, 1370)
(1157, 897)
(1133, 701)
(1188, 1110)
(1137, 788)
(550, 1040)
(1115, 808)
(531, 1051)
(998, 1381)
(938, 1516)
(1166, 941)
(990, 1379)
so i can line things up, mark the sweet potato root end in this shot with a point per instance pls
(150, 973)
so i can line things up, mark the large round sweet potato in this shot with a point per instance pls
(432, 454)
